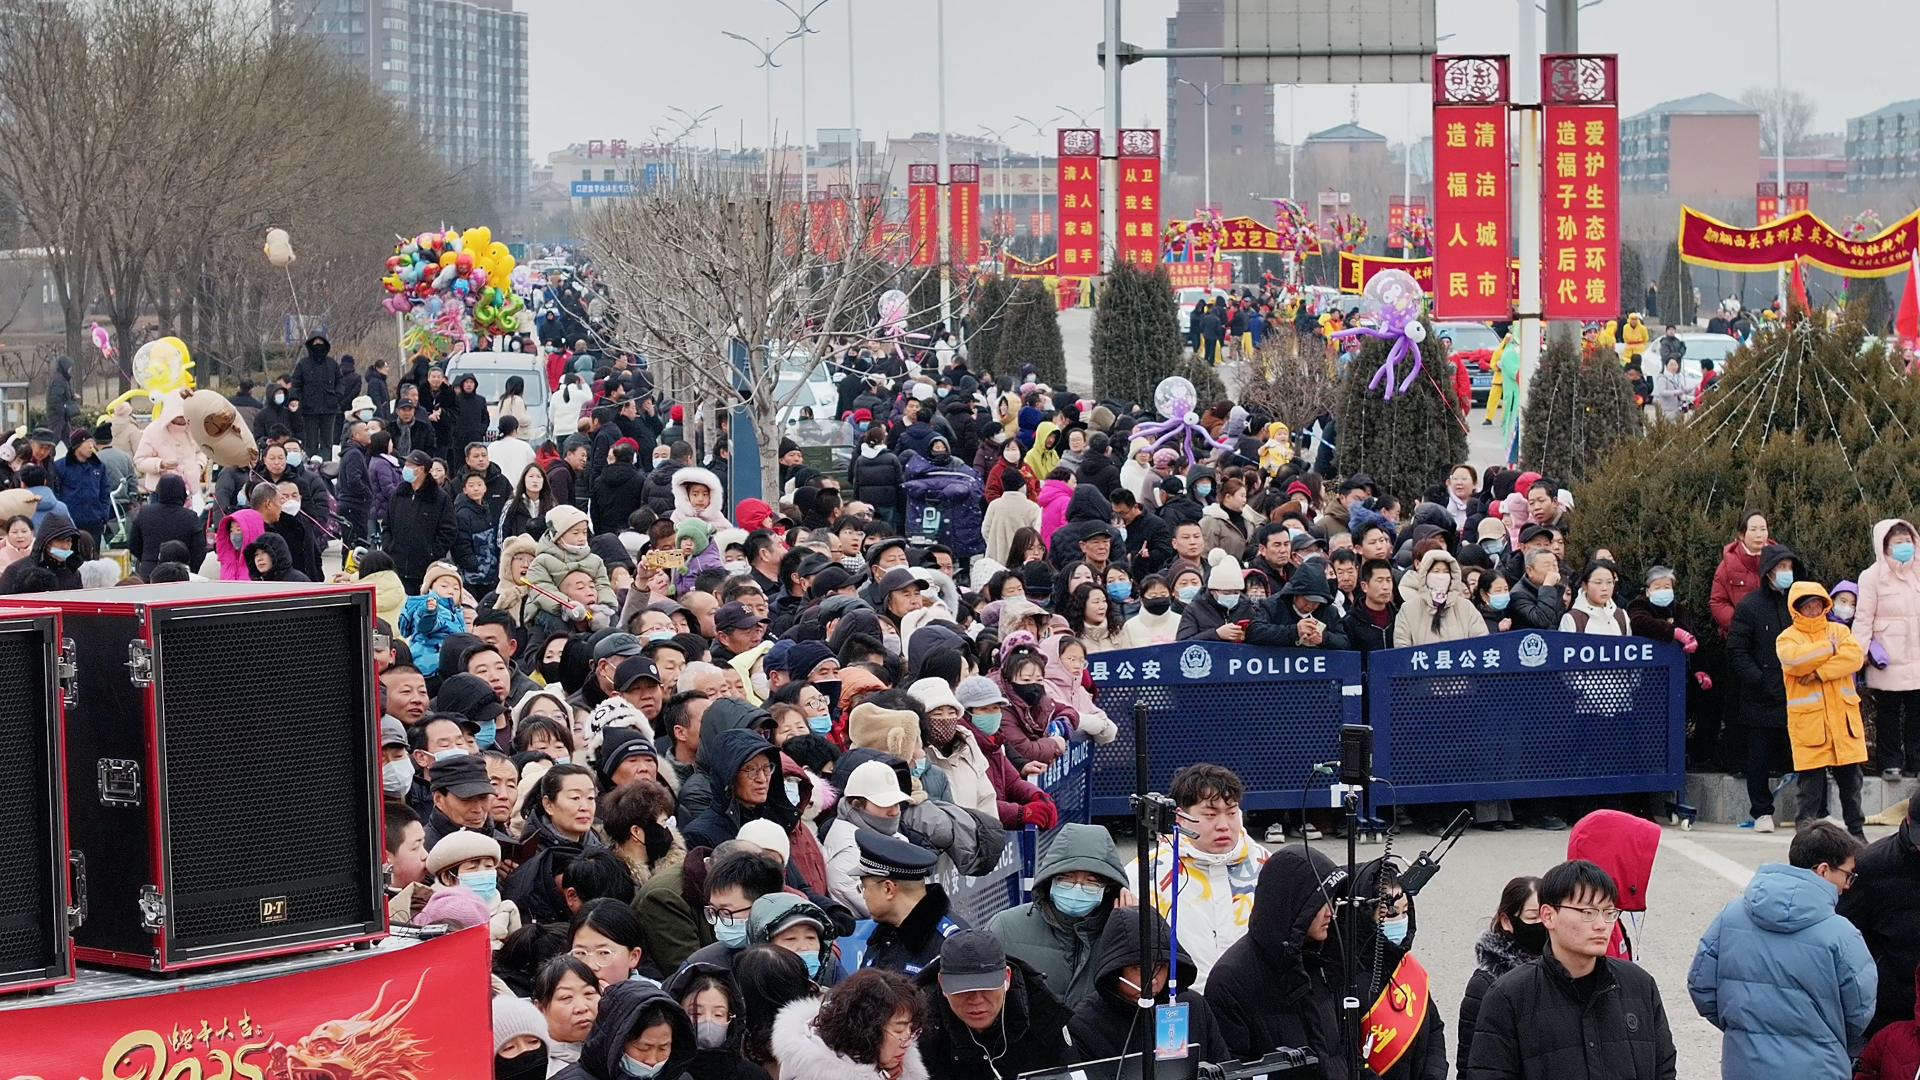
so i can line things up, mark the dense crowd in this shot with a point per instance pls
(702, 765)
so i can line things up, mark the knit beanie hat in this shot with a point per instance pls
(458, 904)
(1225, 575)
(564, 517)
(699, 531)
(514, 1017)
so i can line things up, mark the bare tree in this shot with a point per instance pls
(1785, 115)
(734, 293)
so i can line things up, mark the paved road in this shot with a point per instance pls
(1694, 876)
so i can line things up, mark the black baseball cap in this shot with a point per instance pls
(464, 776)
(734, 615)
(972, 960)
(617, 645)
(632, 670)
(900, 578)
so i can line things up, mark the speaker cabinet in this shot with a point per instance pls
(35, 951)
(222, 771)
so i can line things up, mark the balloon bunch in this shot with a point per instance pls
(1295, 227)
(1397, 300)
(1191, 240)
(454, 280)
(1347, 231)
(1418, 235)
(892, 328)
(1864, 223)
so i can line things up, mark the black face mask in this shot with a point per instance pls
(1157, 605)
(531, 1065)
(1029, 692)
(1532, 937)
(940, 458)
(550, 671)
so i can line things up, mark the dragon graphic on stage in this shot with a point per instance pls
(370, 1046)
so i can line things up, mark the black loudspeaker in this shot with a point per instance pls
(222, 771)
(34, 913)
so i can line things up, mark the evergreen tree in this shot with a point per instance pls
(987, 319)
(1803, 425)
(1876, 304)
(1633, 283)
(1405, 443)
(1136, 334)
(1676, 290)
(1579, 406)
(923, 305)
(1032, 337)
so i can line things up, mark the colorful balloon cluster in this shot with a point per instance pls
(1295, 227)
(454, 279)
(1196, 238)
(1347, 231)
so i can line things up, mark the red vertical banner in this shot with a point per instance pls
(872, 217)
(1079, 195)
(1472, 227)
(1396, 220)
(1579, 188)
(963, 214)
(837, 217)
(1039, 223)
(1796, 196)
(923, 215)
(1140, 196)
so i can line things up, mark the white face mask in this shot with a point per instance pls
(736, 566)
(397, 776)
(290, 506)
(577, 549)
(1438, 583)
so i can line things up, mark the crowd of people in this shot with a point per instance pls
(700, 765)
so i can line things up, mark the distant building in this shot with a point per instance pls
(1350, 158)
(1884, 145)
(457, 67)
(1820, 173)
(1241, 116)
(1696, 147)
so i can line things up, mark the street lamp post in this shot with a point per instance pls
(945, 212)
(1000, 182)
(1206, 138)
(1779, 151)
(1039, 161)
(801, 14)
(766, 63)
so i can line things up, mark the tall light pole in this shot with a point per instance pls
(1779, 151)
(945, 216)
(1082, 118)
(690, 122)
(801, 14)
(1206, 138)
(767, 63)
(1293, 147)
(1039, 162)
(853, 116)
(1000, 182)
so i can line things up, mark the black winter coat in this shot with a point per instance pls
(1205, 615)
(303, 540)
(418, 528)
(1884, 904)
(66, 575)
(166, 518)
(1101, 471)
(1496, 954)
(1758, 621)
(721, 821)
(1535, 607)
(1532, 1024)
(354, 490)
(476, 547)
(1108, 1023)
(879, 480)
(1028, 1038)
(499, 488)
(1149, 545)
(469, 424)
(618, 1022)
(532, 888)
(280, 564)
(1276, 987)
(316, 382)
(658, 491)
(620, 491)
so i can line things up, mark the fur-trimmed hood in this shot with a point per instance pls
(683, 509)
(804, 1056)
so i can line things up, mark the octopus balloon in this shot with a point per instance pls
(1174, 399)
(1397, 301)
(893, 307)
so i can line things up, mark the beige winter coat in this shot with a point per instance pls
(1458, 617)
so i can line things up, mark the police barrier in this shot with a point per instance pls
(1528, 714)
(1268, 714)
(1010, 882)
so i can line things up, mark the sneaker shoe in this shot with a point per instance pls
(1549, 823)
(1890, 775)
(1276, 833)
(1308, 831)
(1763, 823)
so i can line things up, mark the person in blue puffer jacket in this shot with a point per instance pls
(1789, 982)
(83, 484)
(939, 482)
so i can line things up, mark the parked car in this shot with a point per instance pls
(1474, 337)
(1189, 297)
(492, 370)
(1702, 346)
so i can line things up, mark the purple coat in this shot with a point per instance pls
(957, 493)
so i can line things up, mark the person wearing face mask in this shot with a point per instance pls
(1758, 622)
(1515, 937)
(1886, 619)
(940, 486)
(712, 1000)
(800, 927)
(519, 1039)
(471, 860)
(1158, 621)
(418, 528)
(1006, 465)
(1215, 612)
(1076, 888)
(872, 801)
(1035, 727)
(1658, 613)
(1386, 955)
(1108, 1023)
(1434, 604)
(564, 549)
(58, 548)
(640, 1033)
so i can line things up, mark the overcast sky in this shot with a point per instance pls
(612, 69)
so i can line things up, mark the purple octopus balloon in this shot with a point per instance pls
(1397, 302)
(1174, 399)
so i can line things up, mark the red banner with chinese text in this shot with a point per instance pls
(1199, 275)
(1357, 270)
(1396, 221)
(1707, 241)
(923, 215)
(1580, 212)
(420, 1012)
(872, 217)
(1470, 211)
(1140, 196)
(1039, 223)
(963, 213)
(1766, 199)
(1021, 268)
(1079, 209)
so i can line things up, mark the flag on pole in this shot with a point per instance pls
(1906, 323)
(1798, 287)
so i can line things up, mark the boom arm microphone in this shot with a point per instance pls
(1415, 877)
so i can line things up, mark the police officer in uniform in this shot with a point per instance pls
(911, 911)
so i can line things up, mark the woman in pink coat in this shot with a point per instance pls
(168, 446)
(1887, 617)
(248, 525)
(1055, 493)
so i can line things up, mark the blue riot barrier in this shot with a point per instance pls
(1528, 714)
(1268, 714)
(1010, 882)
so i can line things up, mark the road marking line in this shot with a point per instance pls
(1709, 858)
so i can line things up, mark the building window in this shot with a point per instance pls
(1236, 151)
(1236, 129)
